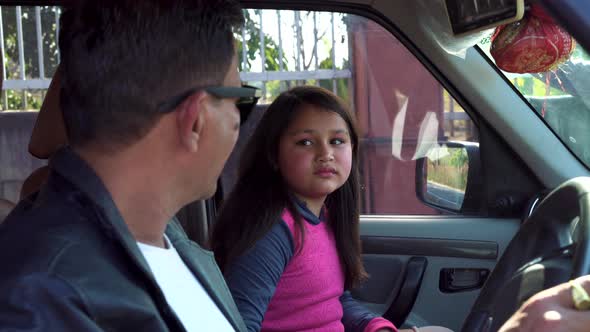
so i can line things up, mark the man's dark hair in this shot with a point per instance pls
(121, 58)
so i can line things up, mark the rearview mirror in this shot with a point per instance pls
(476, 15)
(448, 178)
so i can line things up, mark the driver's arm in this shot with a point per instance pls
(551, 310)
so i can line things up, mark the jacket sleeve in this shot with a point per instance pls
(42, 303)
(357, 318)
(253, 277)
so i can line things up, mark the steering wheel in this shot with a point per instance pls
(551, 247)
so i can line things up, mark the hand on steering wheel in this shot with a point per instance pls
(551, 247)
(551, 310)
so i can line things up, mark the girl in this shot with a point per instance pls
(287, 238)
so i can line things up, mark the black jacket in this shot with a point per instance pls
(69, 263)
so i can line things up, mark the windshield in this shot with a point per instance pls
(561, 98)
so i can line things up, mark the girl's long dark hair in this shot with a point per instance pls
(260, 194)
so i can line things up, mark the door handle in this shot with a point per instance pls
(461, 280)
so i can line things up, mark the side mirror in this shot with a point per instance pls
(449, 178)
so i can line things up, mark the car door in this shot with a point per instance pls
(428, 260)
(427, 264)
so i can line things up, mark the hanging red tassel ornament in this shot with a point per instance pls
(536, 44)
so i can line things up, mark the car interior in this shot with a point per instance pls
(475, 180)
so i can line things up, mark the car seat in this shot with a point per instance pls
(5, 207)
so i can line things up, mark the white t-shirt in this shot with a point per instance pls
(184, 293)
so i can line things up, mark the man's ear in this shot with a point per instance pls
(190, 120)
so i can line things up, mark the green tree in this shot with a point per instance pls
(252, 36)
(305, 62)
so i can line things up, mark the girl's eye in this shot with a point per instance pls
(304, 142)
(337, 141)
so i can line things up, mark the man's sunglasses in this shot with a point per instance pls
(247, 98)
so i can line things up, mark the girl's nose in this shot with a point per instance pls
(325, 154)
(326, 158)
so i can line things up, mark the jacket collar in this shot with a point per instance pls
(72, 167)
(202, 263)
(304, 211)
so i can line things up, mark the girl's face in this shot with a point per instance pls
(315, 154)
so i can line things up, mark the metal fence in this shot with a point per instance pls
(29, 39)
(24, 32)
(299, 72)
(27, 32)
(24, 82)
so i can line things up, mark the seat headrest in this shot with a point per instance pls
(34, 181)
(5, 207)
(49, 133)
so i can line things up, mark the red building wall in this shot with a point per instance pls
(385, 75)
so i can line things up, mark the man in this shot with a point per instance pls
(149, 93)
(552, 310)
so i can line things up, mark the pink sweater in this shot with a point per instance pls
(308, 292)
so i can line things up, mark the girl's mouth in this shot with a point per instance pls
(325, 172)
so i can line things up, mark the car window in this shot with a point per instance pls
(29, 52)
(403, 112)
(561, 97)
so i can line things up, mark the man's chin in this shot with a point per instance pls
(209, 193)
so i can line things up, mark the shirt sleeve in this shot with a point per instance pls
(43, 303)
(357, 318)
(253, 277)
